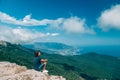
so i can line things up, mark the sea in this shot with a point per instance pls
(107, 50)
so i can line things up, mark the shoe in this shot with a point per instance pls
(45, 71)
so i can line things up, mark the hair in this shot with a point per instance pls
(36, 53)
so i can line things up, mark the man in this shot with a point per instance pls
(40, 64)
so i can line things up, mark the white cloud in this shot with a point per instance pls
(26, 21)
(76, 25)
(72, 24)
(54, 34)
(19, 35)
(110, 18)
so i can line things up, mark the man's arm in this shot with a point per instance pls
(43, 60)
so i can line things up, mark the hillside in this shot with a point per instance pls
(91, 66)
(24, 57)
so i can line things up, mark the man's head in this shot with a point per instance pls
(37, 53)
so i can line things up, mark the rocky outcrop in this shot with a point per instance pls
(3, 43)
(12, 71)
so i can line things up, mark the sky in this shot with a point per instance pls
(73, 22)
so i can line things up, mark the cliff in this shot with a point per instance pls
(12, 71)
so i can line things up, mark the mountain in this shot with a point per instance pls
(16, 53)
(52, 45)
(54, 48)
(12, 71)
(22, 56)
(90, 66)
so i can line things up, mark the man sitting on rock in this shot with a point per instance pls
(40, 64)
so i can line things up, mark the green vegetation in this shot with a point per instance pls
(17, 54)
(90, 66)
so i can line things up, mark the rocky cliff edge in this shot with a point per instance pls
(12, 71)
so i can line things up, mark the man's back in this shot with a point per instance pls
(37, 62)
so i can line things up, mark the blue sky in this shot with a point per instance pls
(74, 22)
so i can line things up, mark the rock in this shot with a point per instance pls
(3, 43)
(12, 71)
